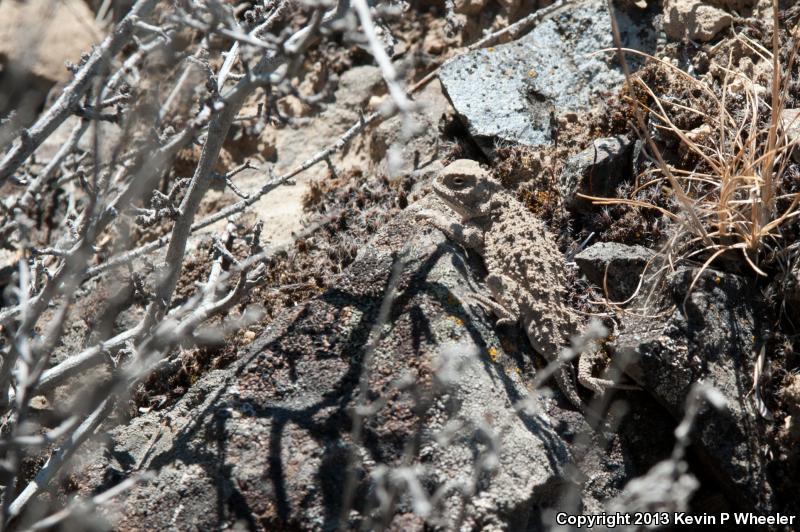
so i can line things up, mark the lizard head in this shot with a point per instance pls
(466, 188)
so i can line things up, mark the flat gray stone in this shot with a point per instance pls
(790, 122)
(624, 265)
(510, 94)
(712, 335)
(596, 171)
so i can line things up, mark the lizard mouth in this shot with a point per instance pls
(448, 198)
(460, 211)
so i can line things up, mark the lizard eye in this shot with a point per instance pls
(459, 181)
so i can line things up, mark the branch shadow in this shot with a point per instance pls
(323, 411)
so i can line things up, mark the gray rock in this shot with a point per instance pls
(711, 336)
(596, 171)
(416, 147)
(64, 31)
(108, 138)
(790, 122)
(623, 263)
(509, 94)
(641, 438)
(694, 20)
(265, 441)
(357, 85)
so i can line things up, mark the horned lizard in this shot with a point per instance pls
(525, 269)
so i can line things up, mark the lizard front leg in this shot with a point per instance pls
(467, 234)
(503, 290)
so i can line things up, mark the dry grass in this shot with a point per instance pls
(730, 190)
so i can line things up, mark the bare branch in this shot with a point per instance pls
(70, 97)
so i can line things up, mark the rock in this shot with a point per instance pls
(438, 40)
(694, 20)
(596, 171)
(266, 440)
(630, 4)
(790, 122)
(711, 335)
(39, 36)
(666, 488)
(357, 85)
(289, 145)
(740, 6)
(292, 106)
(643, 437)
(509, 94)
(474, 7)
(623, 263)
(469, 7)
(417, 149)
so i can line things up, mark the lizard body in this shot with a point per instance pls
(526, 272)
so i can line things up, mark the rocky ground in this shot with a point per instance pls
(374, 393)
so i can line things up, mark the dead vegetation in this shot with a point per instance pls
(720, 157)
(109, 218)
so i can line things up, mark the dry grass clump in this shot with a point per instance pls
(720, 154)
